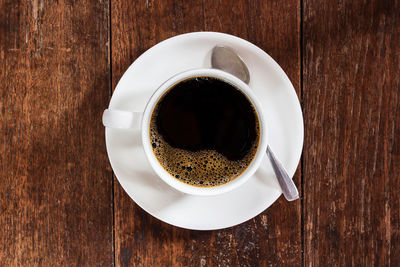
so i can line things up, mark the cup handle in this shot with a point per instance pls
(120, 119)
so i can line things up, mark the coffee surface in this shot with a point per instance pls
(204, 131)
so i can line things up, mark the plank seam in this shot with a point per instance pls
(302, 158)
(111, 91)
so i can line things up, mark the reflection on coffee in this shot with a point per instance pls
(204, 131)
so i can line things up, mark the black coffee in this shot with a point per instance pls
(204, 131)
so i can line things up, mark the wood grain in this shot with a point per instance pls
(55, 180)
(274, 237)
(352, 122)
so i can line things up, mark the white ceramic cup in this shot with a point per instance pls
(141, 120)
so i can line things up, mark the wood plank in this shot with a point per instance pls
(274, 237)
(352, 117)
(55, 179)
(140, 239)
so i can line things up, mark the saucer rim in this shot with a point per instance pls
(261, 54)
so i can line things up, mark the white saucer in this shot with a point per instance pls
(281, 106)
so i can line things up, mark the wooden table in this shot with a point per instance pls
(60, 203)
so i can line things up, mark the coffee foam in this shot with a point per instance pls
(204, 168)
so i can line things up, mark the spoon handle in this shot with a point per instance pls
(289, 189)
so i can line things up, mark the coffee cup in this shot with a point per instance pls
(142, 121)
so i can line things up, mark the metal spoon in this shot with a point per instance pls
(226, 59)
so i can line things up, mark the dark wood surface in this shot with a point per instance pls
(61, 205)
(55, 179)
(351, 153)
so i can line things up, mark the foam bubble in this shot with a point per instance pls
(203, 168)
